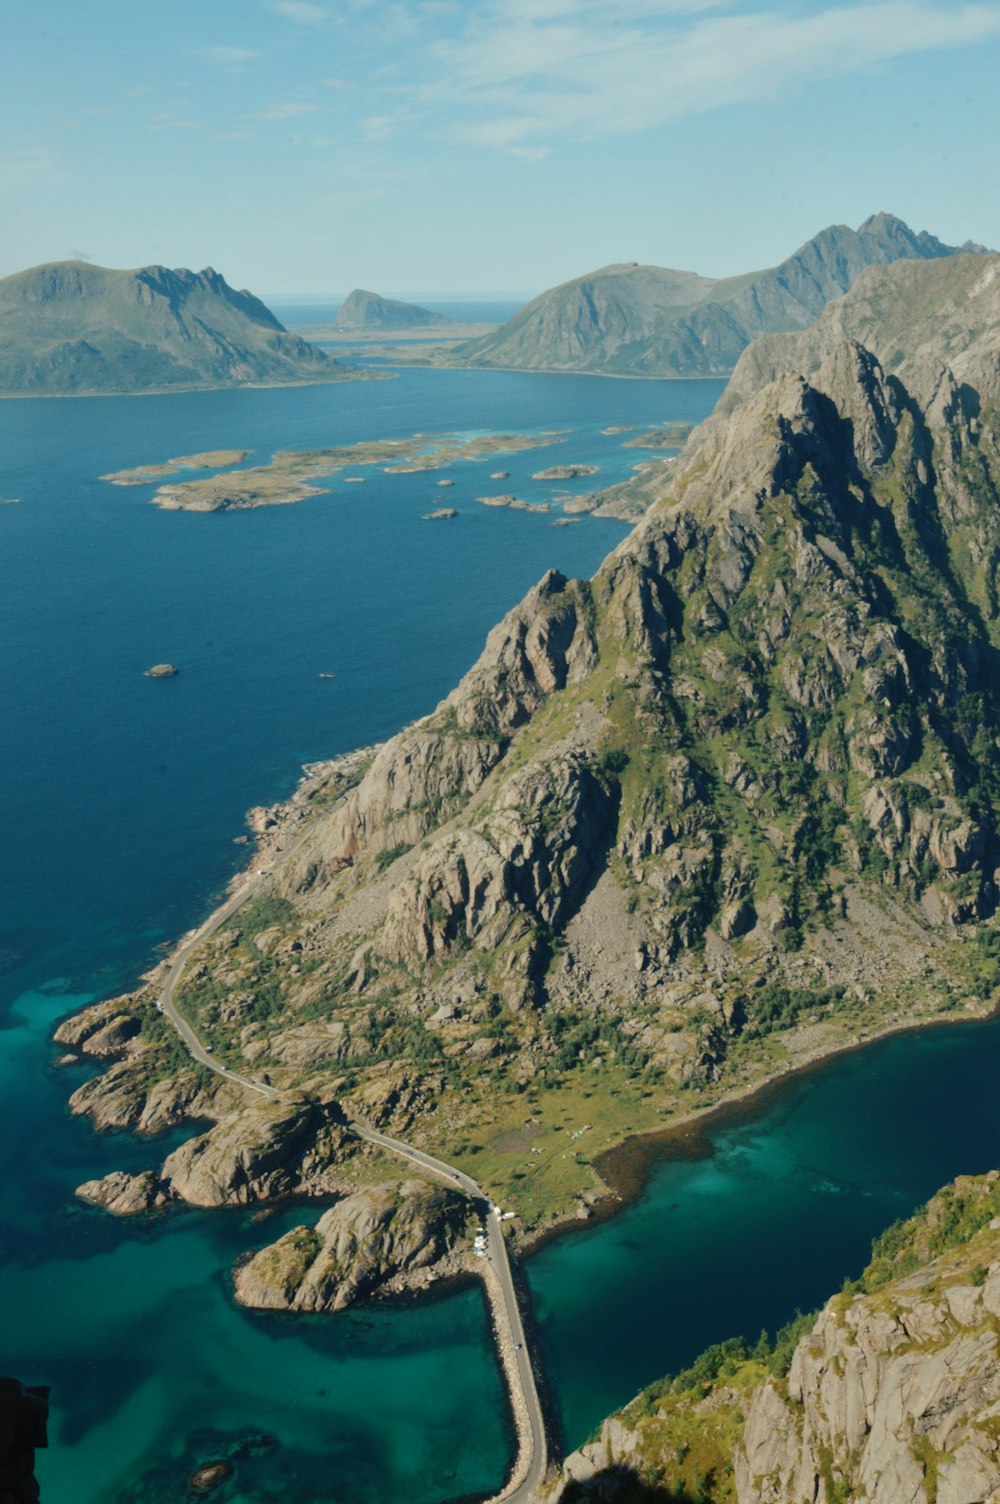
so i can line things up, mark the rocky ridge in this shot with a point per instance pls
(892, 1393)
(70, 328)
(650, 321)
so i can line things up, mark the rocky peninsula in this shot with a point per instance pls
(676, 831)
(381, 1240)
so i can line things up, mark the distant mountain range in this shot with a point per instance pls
(69, 328)
(631, 320)
(367, 310)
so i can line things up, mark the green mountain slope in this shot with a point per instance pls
(69, 328)
(647, 321)
(890, 1393)
(731, 804)
(367, 310)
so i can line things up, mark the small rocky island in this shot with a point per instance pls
(441, 514)
(514, 503)
(288, 477)
(162, 671)
(565, 472)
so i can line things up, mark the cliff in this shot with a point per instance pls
(890, 1394)
(68, 328)
(649, 321)
(368, 310)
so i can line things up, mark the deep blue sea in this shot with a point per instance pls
(119, 801)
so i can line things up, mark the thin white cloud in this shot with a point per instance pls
(27, 167)
(284, 112)
(231, 57)
(523, 73)
(168, 120)
(378, 127)
(301, 12)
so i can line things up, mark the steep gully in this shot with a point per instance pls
(519, 1356)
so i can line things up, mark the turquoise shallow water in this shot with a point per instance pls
(781, 1203)
(119, 801)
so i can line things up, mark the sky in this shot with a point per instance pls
(415, 147)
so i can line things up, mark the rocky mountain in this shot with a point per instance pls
(69, 328)
(729, 805)
(892, 1393)
(648, 321)
(367, 310)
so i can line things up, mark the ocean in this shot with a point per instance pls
(120, 800)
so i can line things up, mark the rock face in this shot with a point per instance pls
(892, 1395)
(125, 1195)
(69, 327)
(358, 1247)
(262, 1151)
(367, 310)
(648, 321)
(265, 1150)
(772, 692)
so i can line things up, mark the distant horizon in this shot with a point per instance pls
(473, 296)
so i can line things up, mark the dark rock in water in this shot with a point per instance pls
(209, 1459)
(162, 671)
(208, 1477)
(23, 1413)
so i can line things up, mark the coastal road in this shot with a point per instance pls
(530, 1469)
(248, 889)
(519, 1367)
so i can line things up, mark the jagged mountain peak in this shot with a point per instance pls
(645, 320)
(70, 327)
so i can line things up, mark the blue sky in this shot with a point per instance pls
(422, 146)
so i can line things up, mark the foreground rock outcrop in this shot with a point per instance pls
(265, 1150)
(361, 1246)
(892, 1394)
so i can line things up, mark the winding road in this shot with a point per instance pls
(531, 1463)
